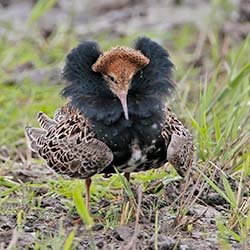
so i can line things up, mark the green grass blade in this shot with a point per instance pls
(80, 205)
(41, 7)
(125, 184)
(216, 188)
(248, 221)
(20, 219)
(243, 73)
(224, 244)
(229, 192)
(69, 241)
(217, 127)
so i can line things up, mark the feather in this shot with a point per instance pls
(90, 134)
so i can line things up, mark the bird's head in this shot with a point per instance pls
(118, 66)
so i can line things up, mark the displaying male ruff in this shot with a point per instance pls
(116, 115)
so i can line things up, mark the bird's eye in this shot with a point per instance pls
(112, 78)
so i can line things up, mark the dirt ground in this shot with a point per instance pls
(120, 18)
(172, 234)
(198, 229)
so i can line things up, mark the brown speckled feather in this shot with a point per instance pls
(179, 143)
(68, 145)
(117, 114)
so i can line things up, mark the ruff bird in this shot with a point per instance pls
(116, 115)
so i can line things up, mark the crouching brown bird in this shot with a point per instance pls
(117, 115)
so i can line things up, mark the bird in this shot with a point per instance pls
(117, 117)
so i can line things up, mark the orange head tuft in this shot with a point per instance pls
(122, 54)
(118, 67)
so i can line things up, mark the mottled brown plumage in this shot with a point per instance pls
(117, 115)
(68, 144)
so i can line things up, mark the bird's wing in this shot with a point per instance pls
(68, 145)
(179, 143)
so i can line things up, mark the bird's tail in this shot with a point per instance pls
(44, 121)
(34, 135)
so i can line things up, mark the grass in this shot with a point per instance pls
(221, 121)
(213, 98)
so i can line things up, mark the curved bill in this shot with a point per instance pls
(123, 99)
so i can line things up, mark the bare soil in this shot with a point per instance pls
(197, 230)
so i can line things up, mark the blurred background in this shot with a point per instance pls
(35, 37)
(209, 44)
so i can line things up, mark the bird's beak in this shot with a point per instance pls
(122, 95)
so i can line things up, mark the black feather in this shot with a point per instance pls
(78, 73)
(88, 91)
(156, 78)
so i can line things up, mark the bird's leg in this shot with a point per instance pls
(127, 176)
(125, 205)
(129, 202)
(87, 198)
(87, 186)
